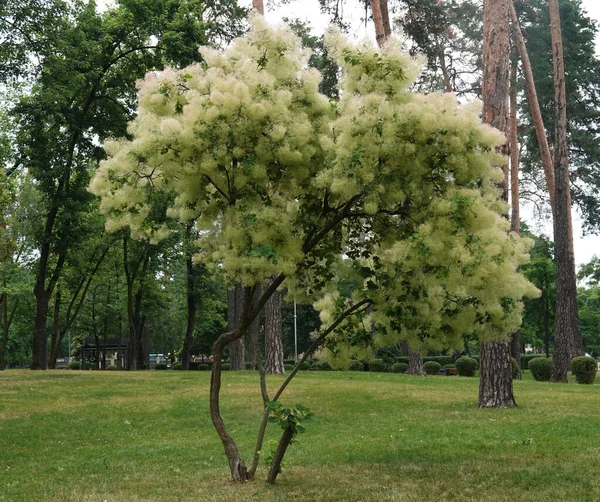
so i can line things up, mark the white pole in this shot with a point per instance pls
(295, 333)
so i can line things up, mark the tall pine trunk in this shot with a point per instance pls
(274, 335)
(567, 338)
(515, 218)
(186, 352)
(495, 385)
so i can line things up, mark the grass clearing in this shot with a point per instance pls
(147, 436)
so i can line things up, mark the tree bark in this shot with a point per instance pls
(253, 345)
(235, 298)
(515, 218)
(274, 335)
(380, 31)
(284, 442)
(567, 338)
(495, 376)
(495, 387)
(415, 361)
(186, 352)
(534, 106)
(258, 6)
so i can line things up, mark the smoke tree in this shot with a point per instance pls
(393, 187)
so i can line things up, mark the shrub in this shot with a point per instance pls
(74, 365)
(112, 367)
(466, 366)
(61, 367)
(160, 366)
(525, 358)
(541, 368)
(584, 368)
(202, 367)
(225, 366)
(378, 365)
(432, 367)
(289, 361)
(356, 366)
(448, 366)
(515, 367)
(399, 367)
(250, 365)
(322, 366)
(305, 365)
(177, 365)
(288, 367)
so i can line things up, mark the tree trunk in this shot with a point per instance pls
(284, 442)
(258, 6)
(415, 361)
(39, 357)
(515, 218)
(380, 31)
(567, 338)
(186, 353)
(237, 356)
(495, 387)
(274, 335)
(495, 376)
(534, 106)
(253, 345)
(55, 337)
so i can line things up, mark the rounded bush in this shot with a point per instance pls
(288, 367)
(541, 368)
(356, 366)
(112, 367)
(399, 367)
(61, 367)
(322, 366)
(74, 365)
(584, 368)
(177, 365)
(378, 365)
(161, 366)
(466, 366)
(203, 367)
(432, 368)
(449, 366)
(250, 365)
(305, 366)
(225, 366)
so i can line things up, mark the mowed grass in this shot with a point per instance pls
(128, 437)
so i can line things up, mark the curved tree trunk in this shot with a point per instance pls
(274, 335)
(235, 298)
(495, 376)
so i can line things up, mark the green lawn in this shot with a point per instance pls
(127, 437)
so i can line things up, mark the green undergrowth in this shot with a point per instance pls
(147, 436)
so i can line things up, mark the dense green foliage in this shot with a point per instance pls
(466, 366)
(584, 368)
(541, 368)
(399, 367)
(432, 368)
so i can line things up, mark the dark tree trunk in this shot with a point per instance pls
(415, 361)
(274, 335)
(186, 353)
(253, 345)
(284, 442)
(39, 357)
(235, 298)
(546, 322)
(567, 338)
(495, 376)
(55, 336)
